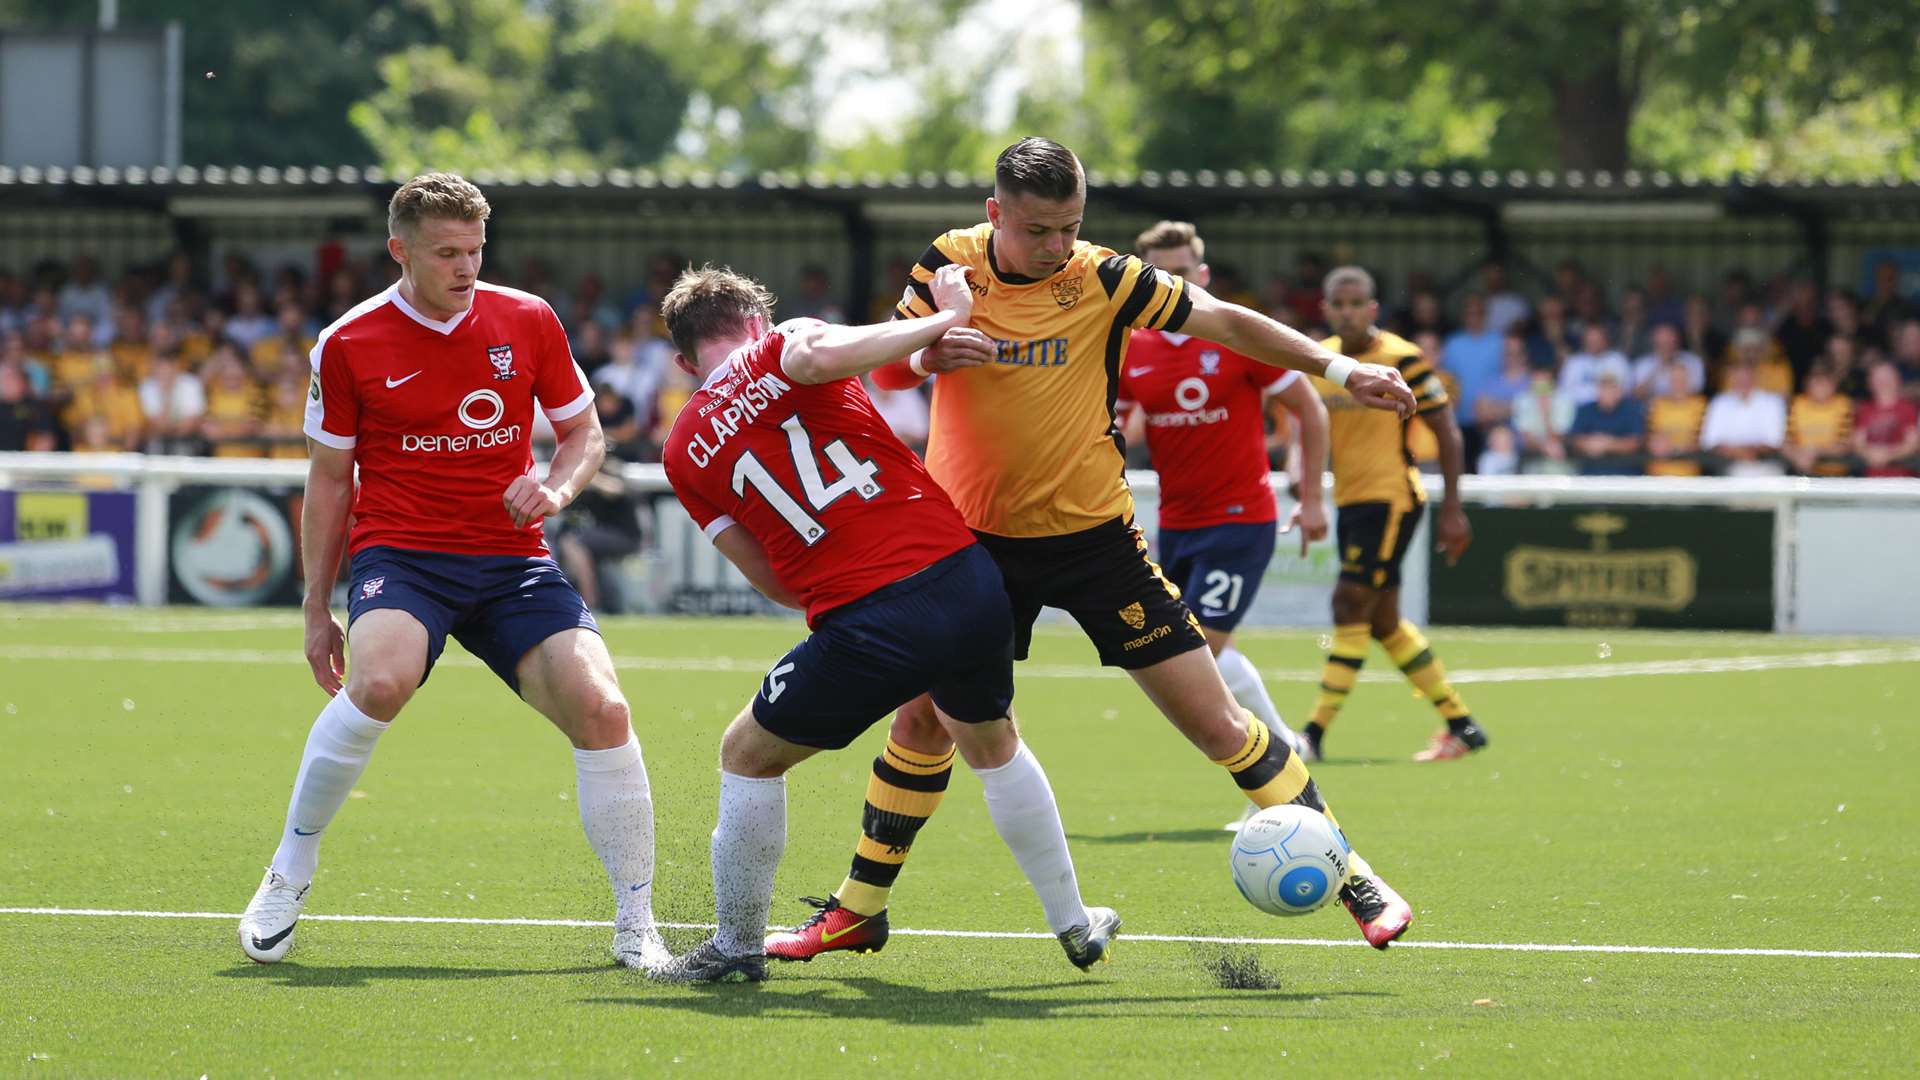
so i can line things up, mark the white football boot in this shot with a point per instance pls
(641, 948)
(266, 930)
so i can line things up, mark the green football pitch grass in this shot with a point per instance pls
(1690, 831)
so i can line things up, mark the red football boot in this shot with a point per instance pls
(831, 929)
(1383, 916)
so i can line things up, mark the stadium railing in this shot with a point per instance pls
(1791, 553)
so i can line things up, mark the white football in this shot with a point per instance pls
(1289, 860)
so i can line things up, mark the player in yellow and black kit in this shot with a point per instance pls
(1024, 440)
(1377, 491)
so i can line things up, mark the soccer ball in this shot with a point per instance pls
(1289, 860)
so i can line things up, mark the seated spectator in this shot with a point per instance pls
(130, 349)
(1502, 455)
(1634, 332)
(1589, 308)
(174, 290)
(1541, 418)
(13, 350)
(1886, 427)
(77, 355)
(85, 294)
(1843, 361)
(1424, 314)
(1550, 338)
(283, 430)
(1745, 426)
(1820, 427)
(230, 425)
(596, 531)
(905, 411)
(1803, 331)
(1887, 307)
(111, 403)
(626, 435)
(172, 401)
(1650, 371)
(1663, 304)
(1506, 309)
(1472, 355)
(25, 420)
(591, 348)
(1580, 377)
(291, 339)
(1494, 407)
(1609, 432)
(1753, 349)
(1699, 336)
(1906, 355)
(1673, 425)
(250, 322)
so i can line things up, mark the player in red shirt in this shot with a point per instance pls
(429, 388)
(1201, 407)
(785, 464)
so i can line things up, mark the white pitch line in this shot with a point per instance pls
(1007, 935)
(1710, 665)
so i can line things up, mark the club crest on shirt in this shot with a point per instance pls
(313, 387)
(371, 587)
(1134, 614)
(502, 357)
(1210, 362)
(1066, 291)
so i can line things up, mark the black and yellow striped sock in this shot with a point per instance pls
(1409, 649)
(1340, 673)
(1269, 773)
(902, 794)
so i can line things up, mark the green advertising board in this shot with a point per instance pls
(1652, 566)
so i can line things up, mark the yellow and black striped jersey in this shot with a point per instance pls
(1369, 454)
(1026, 445)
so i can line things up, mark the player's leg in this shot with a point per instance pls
(1414, 657)
(568, 676)
(1219, 582)
(396, 629)
(1368, 534)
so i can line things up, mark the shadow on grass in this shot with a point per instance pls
(1158, 836)
(343, 976)
(864, 998)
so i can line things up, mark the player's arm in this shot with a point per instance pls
(1452, 533)
(1247, 331)
(959, 347)
(583, 446)
(744, 552)
(323, 534)
(1133, 422)
(822, 352)
(1310, 419)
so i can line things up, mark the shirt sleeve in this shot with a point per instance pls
(333, 406)
(1143, 296)
(710, 518)
(1429, 393)
(559, 385)
(916, 302)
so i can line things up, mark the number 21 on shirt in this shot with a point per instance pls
(856, 476)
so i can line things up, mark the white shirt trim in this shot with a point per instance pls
(1288, 378)
(441, 328)
(327, 438)
(572, 408)
(718, 525)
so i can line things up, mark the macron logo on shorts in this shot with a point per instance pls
(371, 587)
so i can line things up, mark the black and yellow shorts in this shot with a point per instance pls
(1374, 537)
(1103, 578)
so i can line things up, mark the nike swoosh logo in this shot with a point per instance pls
(268, 943)
(393, 382)
(830, 938)
(298, 831)
(1139, 371)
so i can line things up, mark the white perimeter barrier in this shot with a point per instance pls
(1837, 555)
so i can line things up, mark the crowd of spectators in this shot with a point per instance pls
(1571, 375)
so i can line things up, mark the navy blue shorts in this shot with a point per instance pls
(1218, 568)
(947, 629)
(497, 606)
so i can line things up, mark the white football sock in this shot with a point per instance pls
(1243, 681)
(337, 751)
(616, 810)
(1028, 820)
(747, 845)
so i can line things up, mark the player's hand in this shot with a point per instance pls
(960, 347)
(1381, 387)
(528, 500)
(1453, 534)
(1311, 520)
(951, 291)
(326, 650)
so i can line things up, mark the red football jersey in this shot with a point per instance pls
(1205, 427)
(840, 504)
(439, 415)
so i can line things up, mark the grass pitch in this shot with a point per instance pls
(1707, 792)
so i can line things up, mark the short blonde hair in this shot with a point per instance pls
(1348, 275)
(1171, 234)
(435, 195)
(711, 302)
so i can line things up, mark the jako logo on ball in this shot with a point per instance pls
(1289, 860)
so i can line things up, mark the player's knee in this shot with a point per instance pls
(380, 693)
(608, 721)
(1352, 604)
(917, 727)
